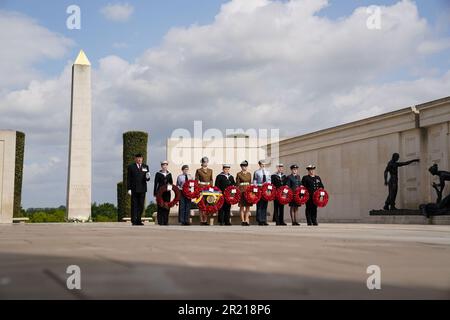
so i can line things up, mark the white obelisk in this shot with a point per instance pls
(79, 174)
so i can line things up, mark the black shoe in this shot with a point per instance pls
(260, 224)
(283, 224)
(386, 207)
(247, 224)
(295, 223)
(243, 223)
(315, 224)
(265, 224)
(204, 223)
(228, 224)
(393, 208)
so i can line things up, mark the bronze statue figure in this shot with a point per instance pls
(442, 206)
(443, 176)
(392, 169)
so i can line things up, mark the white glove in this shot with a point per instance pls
(147, 175)
(129, 192)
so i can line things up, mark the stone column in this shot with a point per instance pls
(7, 172)
(79, 173)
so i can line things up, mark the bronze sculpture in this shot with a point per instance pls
(392, 169)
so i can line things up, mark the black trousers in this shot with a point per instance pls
(311, 213)
(162, 214)
(137, 206)
(224, 213)
(278, 212)
(261, 211)
(393, 188)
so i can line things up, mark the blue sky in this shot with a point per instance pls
(152, 19)
(158, 66)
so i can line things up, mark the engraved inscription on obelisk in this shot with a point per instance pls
(79, 173)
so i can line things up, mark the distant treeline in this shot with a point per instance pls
(104, 212)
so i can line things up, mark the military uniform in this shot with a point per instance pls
(312, 183)
(204, 177)
(243, 180)
(184, 207)
(161, 179)
(293, 182)
(278, 180)
(223, 181)
(260, 177)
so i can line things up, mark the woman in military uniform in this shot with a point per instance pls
(204, 176)
(162, 178)
(243, 180)
(294, 181)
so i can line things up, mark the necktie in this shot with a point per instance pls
(185, 178)
(264, 176)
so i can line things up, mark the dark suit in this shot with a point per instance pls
(137, 183)
(222, 182)
(278, 209)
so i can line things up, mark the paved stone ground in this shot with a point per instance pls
(119, 261)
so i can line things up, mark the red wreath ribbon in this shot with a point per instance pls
(191, 192)
(301, 195)
(284, 197)
(250, 195)
(230, 197)
(168, 204)
(320, 197)
(266, 192)
(210, 208)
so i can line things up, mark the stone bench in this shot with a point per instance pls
(20, 220)
(128, 219)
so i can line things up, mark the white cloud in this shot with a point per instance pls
(24, 43)
(259, 64)
(117, 12)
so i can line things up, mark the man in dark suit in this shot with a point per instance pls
(137, 178)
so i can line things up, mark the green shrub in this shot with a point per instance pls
(53, 215)
(105, 212)
(151, 208)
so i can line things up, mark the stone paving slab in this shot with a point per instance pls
(119, 261)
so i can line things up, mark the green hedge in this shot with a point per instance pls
(133, 142)
(20, 150)
(120, 201)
